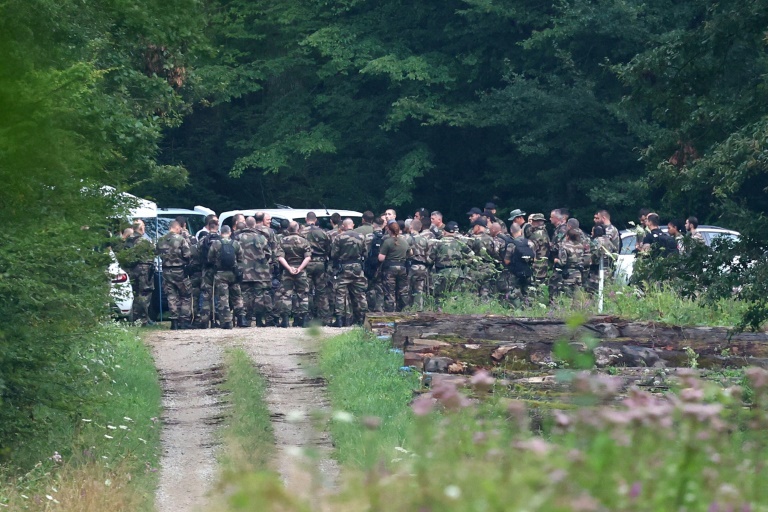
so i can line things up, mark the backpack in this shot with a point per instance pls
(665, 244)
(521, 264)
(372, 260)
(205, 246)
(227, 257)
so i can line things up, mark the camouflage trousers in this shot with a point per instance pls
(318, 293)
(418, 277)
(396, 287)
(540, 270)
(483, 280)
(592, 284)
(375, 293)
(448, 280)
(512, 289)
(176, 287)
(351, 280)
(294, 294)
(143, 284)
(571, 282)
(257, 297)
(227, 292)
(195, 282)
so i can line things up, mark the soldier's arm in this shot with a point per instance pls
(213, 251)
(186, 252)
(508, 254)
(307, 257)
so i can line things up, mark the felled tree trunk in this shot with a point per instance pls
(463, 343)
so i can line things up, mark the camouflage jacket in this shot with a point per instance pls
(449, 251)
(484, 247)
(614, 237)
(274, 246)
(319, 242)
(602, 248)
(257, 255)
(136, 250)
(571, 255)
(558, 237)
(296, 249)
(347, 247)
(420, 247)
(540, 239)
(174, 250)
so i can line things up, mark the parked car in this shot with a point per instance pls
(626, 261)
(120, 293)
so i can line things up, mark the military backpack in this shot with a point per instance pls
(227, 257)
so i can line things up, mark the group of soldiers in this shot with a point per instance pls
(250, 273)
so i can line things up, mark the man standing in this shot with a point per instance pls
(418, 272)
(692, 227)
(366, 228)
(175, 253)
(256, 286)
(490, 212)
(347, 251)
(569, 261)
(437, 226)
(389, 215)
(449, 255)
(483, 246)
(317, 269)
(540, 239)
(559, 219)
(294, 294)
(518, 258)
(474, 213)
(603, 218)
(517, 216)
(138, 260)
(207, 272)
(226, 256)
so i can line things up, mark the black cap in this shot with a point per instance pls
(476, 210)
(490, 206)
(452, 227)
(480, 221)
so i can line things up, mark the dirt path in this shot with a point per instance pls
(189, 363)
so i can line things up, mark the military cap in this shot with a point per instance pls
(490, 206)
(452, 227)
(537, 216)
(480, 221)
(516, 213)
(476, 210)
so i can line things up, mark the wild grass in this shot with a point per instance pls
(654, 303)
(247, 434)
(365, 380)
(103, 456)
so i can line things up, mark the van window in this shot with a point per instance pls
(628, 244)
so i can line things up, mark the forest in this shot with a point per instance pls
(615, 104)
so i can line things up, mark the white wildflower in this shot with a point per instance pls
(401, 449)
(123, 427)
(126, 418)
(110, 427)
(453, 492)
(85, 420)
(343, 416)
(108, 437)
(107, 482)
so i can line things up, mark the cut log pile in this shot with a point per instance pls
(462, 344)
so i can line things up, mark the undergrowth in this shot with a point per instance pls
(104, 455)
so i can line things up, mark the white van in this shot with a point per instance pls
(323, 215)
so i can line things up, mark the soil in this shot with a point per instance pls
(190, 366)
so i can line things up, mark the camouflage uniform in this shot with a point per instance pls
(540, 240)
(375, 293)
(195, 274)
(175, 252)
(347, 250)
(418, 274)
(614, 237)
(449, 254)
(571, 256)
(394, 273)
(317, 271)
(274, 246)
(294, 293)
(556, 279)
(485, 272)
(138, 259)
(256, 286)
(225, 280)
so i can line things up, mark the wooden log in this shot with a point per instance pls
(526, 343)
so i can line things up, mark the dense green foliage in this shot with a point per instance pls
(85, 92)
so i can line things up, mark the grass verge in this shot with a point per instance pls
(104, 455)
(248, 438)
(365, 380)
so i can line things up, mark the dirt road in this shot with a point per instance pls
(189, 363)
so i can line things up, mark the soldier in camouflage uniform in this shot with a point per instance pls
(347, 250)
(586, 245)
(256, 285)
(263, 223)
(294, 294)
(540, 239)
(484, 275)
(602, 249)
(208, 272)
(490, 211)
(450, 255)
(603, 218)
(569, 261)
(137, 257)
(317, 269)
(559, 219)
(518, 286)
(375, 293)
(393, 255)
(418, 273)
(174, 251)
(225, 278)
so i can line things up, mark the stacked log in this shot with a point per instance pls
(462, 344)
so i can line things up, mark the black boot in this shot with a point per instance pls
(242, 321)
(174, 324)
(340, 321)
(260, 321)
(226, 325)
(284, 320)
(298, 321)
